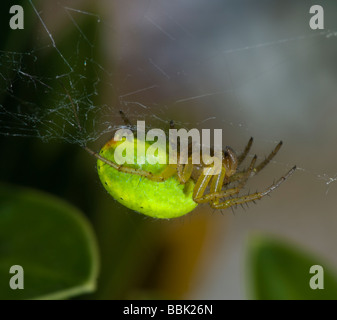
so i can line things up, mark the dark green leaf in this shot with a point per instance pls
(280, 270)
(51, 240)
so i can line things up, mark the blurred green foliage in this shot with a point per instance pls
(51, 240)
(280, 271)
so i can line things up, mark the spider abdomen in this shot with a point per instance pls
(165, 200)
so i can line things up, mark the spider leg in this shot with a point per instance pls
(169, 170)
(204, 180)
(201, 185)
(125, 118)
(243, 155)
(184, 171)
(216, 193)
(252, 197)
(268, 159)
(216, 185)
(217, 182)
(257, 169)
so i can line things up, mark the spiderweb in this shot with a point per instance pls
(39, 100)
(40, 103)
(253, 68)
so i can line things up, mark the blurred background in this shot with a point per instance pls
(251, 68)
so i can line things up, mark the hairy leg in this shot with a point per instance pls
(255, 196)
(243, 155)
(215, 190)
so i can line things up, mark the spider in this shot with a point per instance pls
(173, 190)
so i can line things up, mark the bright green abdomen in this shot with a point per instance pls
(165, 200)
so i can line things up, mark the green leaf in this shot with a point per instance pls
(51, 240)
(280, 271)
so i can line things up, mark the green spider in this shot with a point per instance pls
(172, 190)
